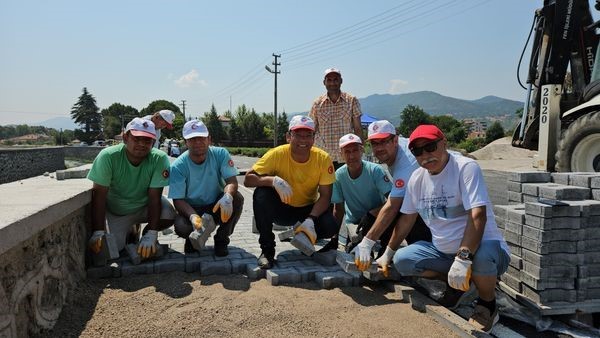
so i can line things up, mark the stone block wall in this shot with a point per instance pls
(18, 164)
(82, 153)
(36, 274)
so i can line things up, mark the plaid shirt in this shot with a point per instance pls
(334, 120)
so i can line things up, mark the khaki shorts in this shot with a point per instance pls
(120, 226)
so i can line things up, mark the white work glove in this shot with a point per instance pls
(459, 275)
(95, 242)
(308, 228)
(283, 189)
(385, 260)
(196, 221)
(226, 205)
(147, 246)
(362, 254)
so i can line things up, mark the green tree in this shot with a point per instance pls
(494, 132)
(178, 123)
(116, 117)
(86, 113)
(250, 124)
(215, 128)
(410, 118)
(454, 130)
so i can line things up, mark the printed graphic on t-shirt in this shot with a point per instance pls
(437, 206)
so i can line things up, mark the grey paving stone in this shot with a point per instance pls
(553, 223)
(129, 269)
(330, 280)
(588, 294)
(515, 197)
(549, 295)
(378, 275)
(513, 227)
(198, 238)
(583, 180)
(560, 178)
(501, 210)
(564, 192)
(515, 249)
(307, 273)
(516, 261)
(327, 258)
(596, 194)
(550, 247)
(586, 207)
(240, 265)
(548, 211)
(512, 237)
(595, 182)
(590, 245)
(97, 272)
(169, 265)
(254, 272)
(552, 259)
(516, 214)
(556, 271)
(500, 222)
(134, 257)
(514, 186)
(588, 270)
(286, 234)
(530, 176)
(220, 267)
(192, 264)
(591, 257)
(512, 282)
(108, 250)
(302, 243)
(529, 198)
(283, 276)
(530, 188)
(554, 234)
(346, 262)
(566, 283)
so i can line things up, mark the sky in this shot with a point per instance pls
(215, 52)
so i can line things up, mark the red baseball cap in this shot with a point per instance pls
(426, 131)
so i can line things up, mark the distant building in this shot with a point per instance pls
(225, 121)
(475, 128)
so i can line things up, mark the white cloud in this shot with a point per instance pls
(397, 86)
(190, 79)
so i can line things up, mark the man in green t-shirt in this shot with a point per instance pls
(128, 182)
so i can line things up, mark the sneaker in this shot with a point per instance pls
(482, 319)
(221, 250)
(452, 297)
(265, 262)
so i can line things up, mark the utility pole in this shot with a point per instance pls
(275, 72)
(183, 109)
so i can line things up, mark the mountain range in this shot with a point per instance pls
(389, 106)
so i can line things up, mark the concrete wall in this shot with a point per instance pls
(43, 230)
(17, 164)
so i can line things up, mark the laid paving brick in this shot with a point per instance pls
(254, 272)
(283, 276)
(553, 223)
(240, 265)
(129, 269)
(564, 192)
(97, 272)
(378, 275)
(307, 273)
(530, 176)
(591, 257)
(134, 257)
(289, 264)
(547, 211)
(589, 245)
(556, 271)
(192, 264)
(169, 265)
(539, 284)
(346, 262)
(327, 258)
(220, 267)
(330, 280)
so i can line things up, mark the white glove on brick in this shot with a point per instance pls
(147, 246)
(362, 253)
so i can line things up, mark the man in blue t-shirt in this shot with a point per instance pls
(359, 192)
(203, 181)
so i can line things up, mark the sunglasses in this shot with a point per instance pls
(428, 147)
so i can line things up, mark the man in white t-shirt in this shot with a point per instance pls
(448, 191)
(161, 119)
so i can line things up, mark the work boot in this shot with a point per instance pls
(482, 319)
(187, 247)
(332, 245)
(452, 297)
(266, 261)
(221, 250)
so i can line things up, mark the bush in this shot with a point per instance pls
(250, 152)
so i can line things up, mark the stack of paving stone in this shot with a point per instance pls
(552, 227)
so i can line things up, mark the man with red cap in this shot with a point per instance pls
(293, 184)
(448, 191)
(128, 182)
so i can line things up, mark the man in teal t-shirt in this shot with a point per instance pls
(203, 181)
(359, 192)
(128, 182)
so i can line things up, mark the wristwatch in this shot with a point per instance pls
(464, 253)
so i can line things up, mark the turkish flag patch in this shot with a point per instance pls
(330, 169)
(230, 163)
(165, 173)
(399, 183)
(385, 178)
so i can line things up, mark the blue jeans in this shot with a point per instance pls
(489, 260)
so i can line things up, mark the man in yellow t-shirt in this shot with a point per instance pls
(293, 184)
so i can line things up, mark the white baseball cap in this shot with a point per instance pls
(331, 70)
(194, 128)
(141, 127)
(301, 122)
(349, 139)
(381, 129)
(168, 116)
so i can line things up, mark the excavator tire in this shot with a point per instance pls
(579, 146)
(591, 90)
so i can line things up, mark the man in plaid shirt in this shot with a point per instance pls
(336, 114)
